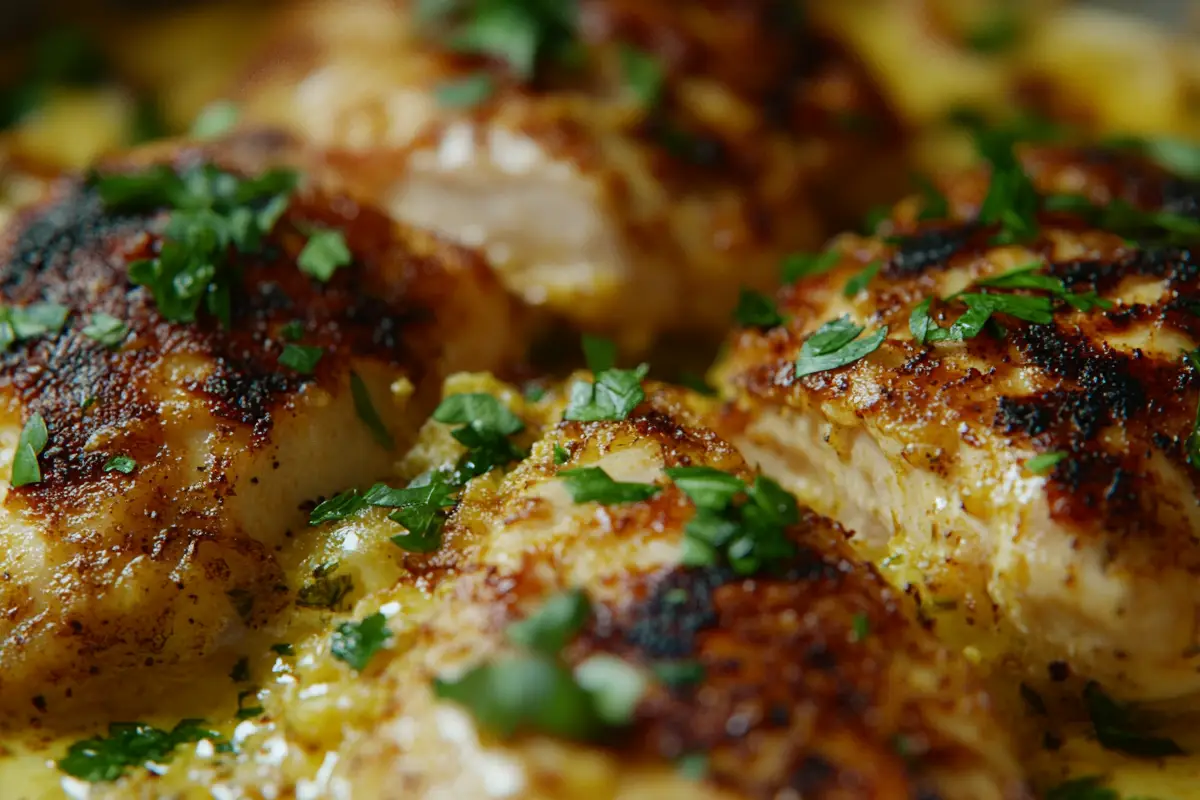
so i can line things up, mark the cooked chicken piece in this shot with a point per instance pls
(811, 678)
(632, 189)
(1036, 475)
(146, 531)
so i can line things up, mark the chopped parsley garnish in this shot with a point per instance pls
(1134, 224)
(423, 512)
(25, 468)
(748, 535)
(283, 649)
(248, 711)
(300, 357)
(920, 324)
(465, 92)
(756, 310)
(861, 627)
(486, 424)
(21, 323)
(1116, 730)
(592, 484)
(805, 265)
(862, 279)
(836, 344)
(643, 75)
(214, 120)
(874, 218)
(999, 32)
(324, 253)
(548, 629)
(292, 331)
(520, 35)
(693, 766)
(1177, 156)
(132, 744)
(561, 456)
(615, 392)
(1012, 201)
(120, 463)
(356, 643)
(934, 204)
(105, 329)
(326, 589)
(367, 413)
(679, 673)
(1043, 463)
(213, 212)
(535, 691)
(240, 673)
(1193, 441)
(981, 307)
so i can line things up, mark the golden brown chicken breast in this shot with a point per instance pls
(627, 166)
(575, 630)
(998, 394)
(191, 350)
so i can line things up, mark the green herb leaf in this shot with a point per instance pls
(1115, 728)
(922, 326)
(292, 331)
(616, 687)
(248, 711)
(554, 624)
(356, 643)
(804, 265)
(21, 323)
(997, 34)
(301, 358)
(338, 507)
(1025, 277)
(643, 75)
(588, 484)
(1193, 441)
(613, 396)
(326, 590)
(693, 766)
(1044, 462)
(707, 487)
(756, 310)
(215, 119)
(834, 345)
(283, 649)
(422, 512)
(561, 456)
(465, 92)
(1012, 201)
(324, 253)
(241, 670)
(367, 413)
(862, 627)
(131, 744)
(862, 279)
(105, 329)
(934, 204)
(980, 308)
(679, 673)
(33, 438)
(120, 463)
(481, 413)
(599, 354)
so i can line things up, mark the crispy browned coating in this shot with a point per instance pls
(103, 571)
(616, 216)
(1095, 563)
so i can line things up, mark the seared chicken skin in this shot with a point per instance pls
(631, 187)
(810, 678)
(178, 453)
(1032, 471)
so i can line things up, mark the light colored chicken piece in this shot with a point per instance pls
(924, 451)
(818, 679)
(616, 217)
(108, 577)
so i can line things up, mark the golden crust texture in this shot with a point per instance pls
(107, 571)
(923, 448)
(618, 216)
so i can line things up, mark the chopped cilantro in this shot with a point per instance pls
(679, 673)
(520, 35)
(214, 120)
(21, 323)
(33, 438)
(367, 413)
(338, 507)
(693, 766)
(1012, 201)
(921, 325)
(707, 487)
(248, 711)
(534, 392)
(612, 397)
(804, 265)
(105, 329)
(616, 687)
(301, 358)
(643, 75)
(1025, 277)
(212, 213)
(326, 589)
(131, 744)
(283, 649)
(481, 414)
(599, 354)
(324, 253)
(240, 673)
(756, 310)
(1193, 440)
(561, 456)
(588, 484)
(934, 204)
(874, 218)
(120, 463)
(292, 331)
(1177, 156)
(422, 512)
(356, 643)
(862, 279)
(997, 33)
(861, 627)
(555, 623)
(980, 308)
(466, 92)
(1115, 728)
(834, 345)
(1044, 462)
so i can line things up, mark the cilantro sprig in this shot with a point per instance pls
(356, 643)
(30, 444)
(22, 323)
(836, 344)
(132, 744)
(1116, 729)
(593, 484)
(535, 691)
(613, 395)
(742, 525)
